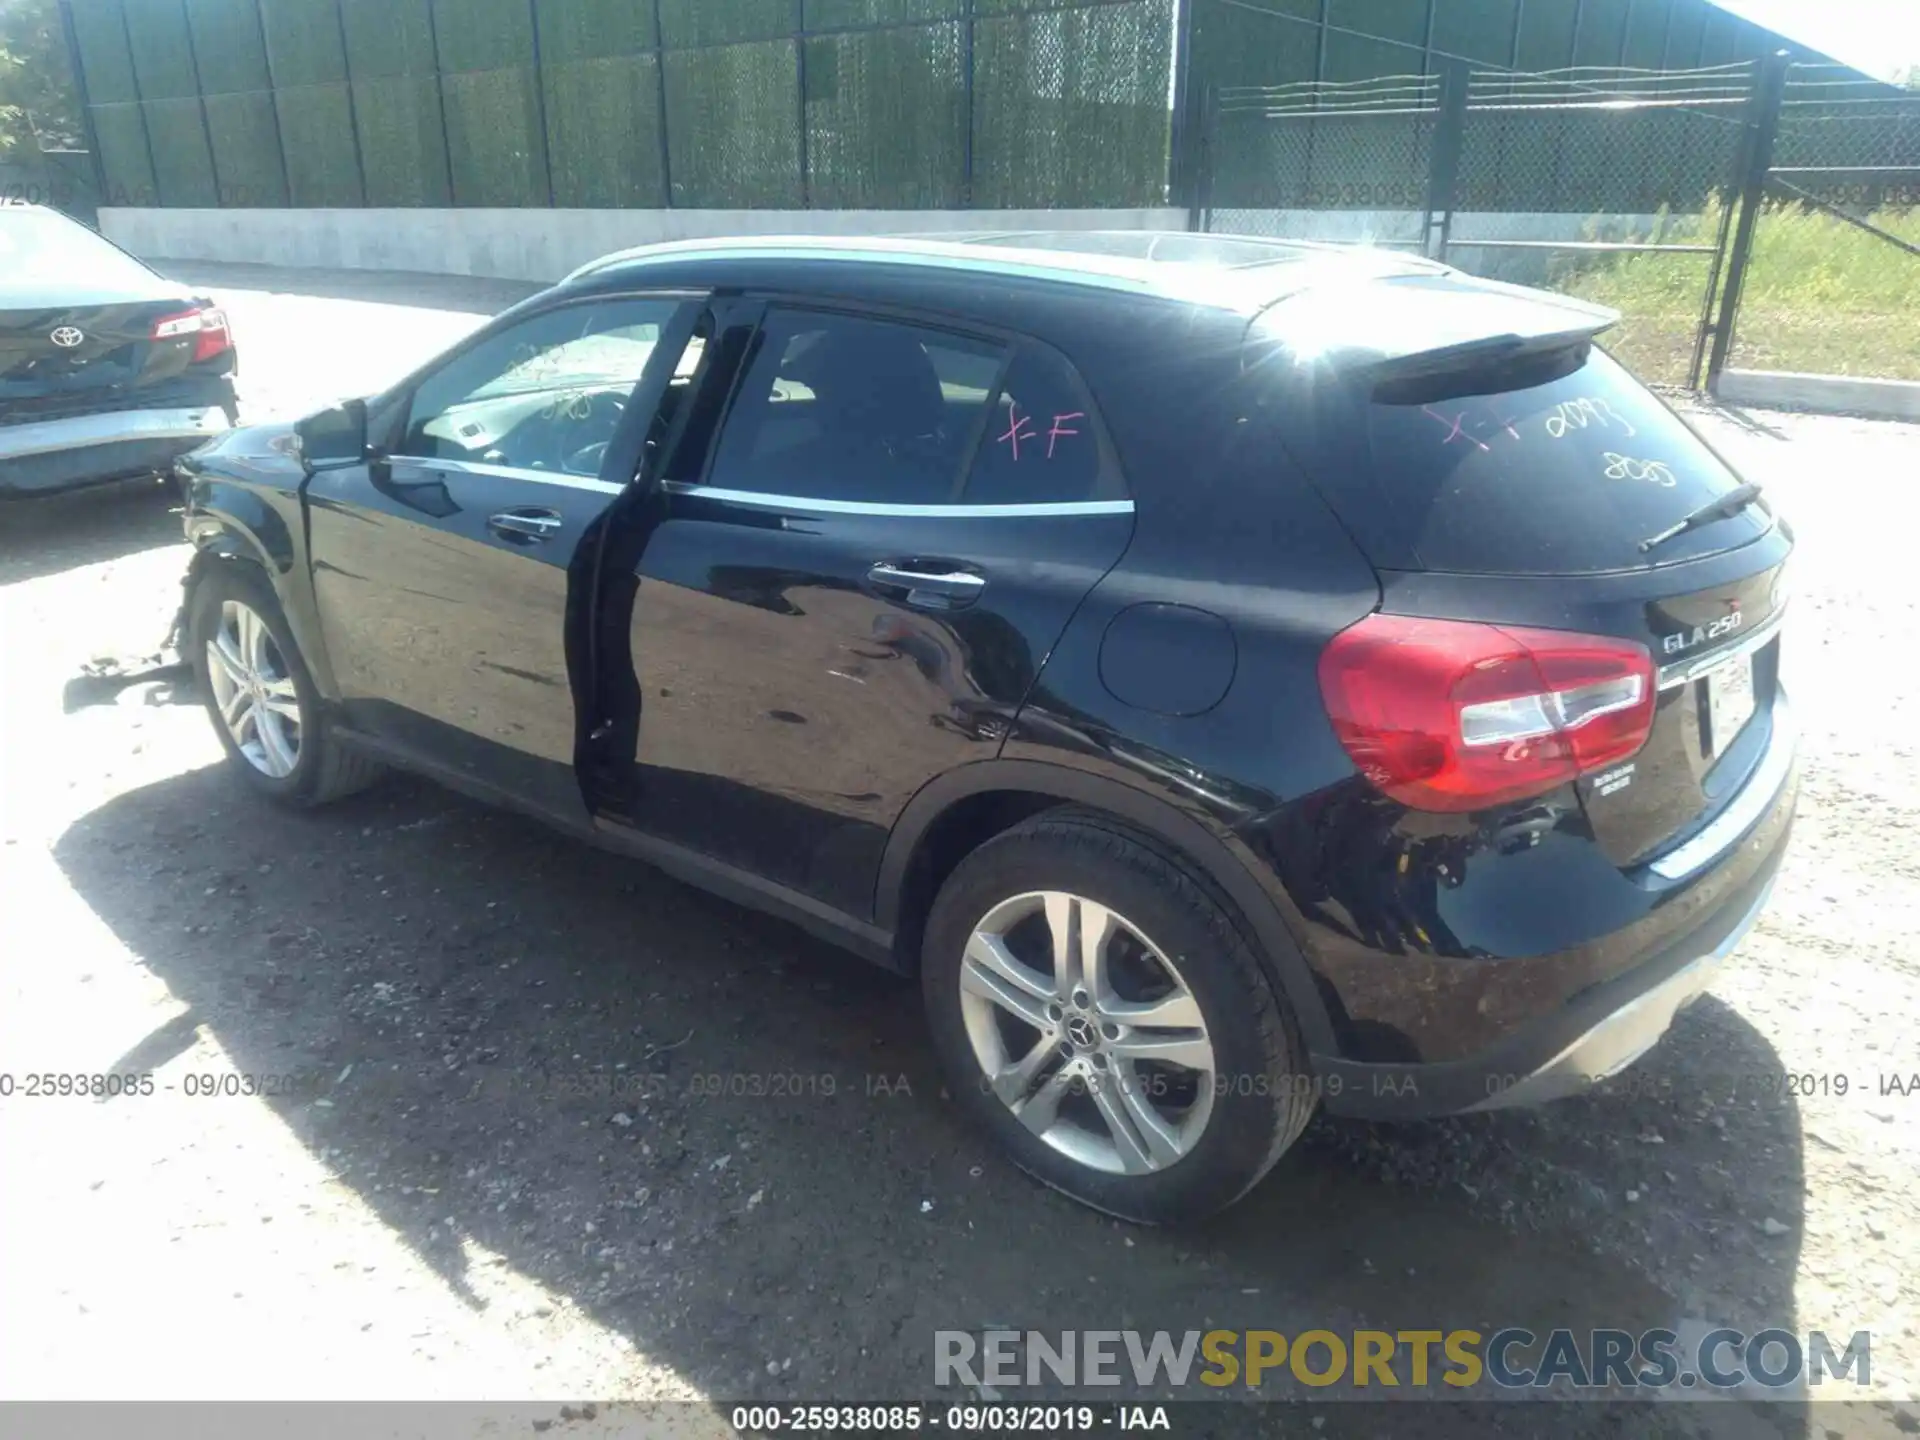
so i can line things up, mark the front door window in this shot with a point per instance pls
(544, 395)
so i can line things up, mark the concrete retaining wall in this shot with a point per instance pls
(537, 245)
(1828, 394)
(543, 245)
(1402, 227)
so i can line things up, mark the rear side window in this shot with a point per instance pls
(1562, 467)
(849, 408)
(1041, 444)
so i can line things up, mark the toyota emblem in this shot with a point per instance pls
(67, 337)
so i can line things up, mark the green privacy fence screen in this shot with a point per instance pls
(884, 104)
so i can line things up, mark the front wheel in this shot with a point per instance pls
(259, 695)
(1099, 1012)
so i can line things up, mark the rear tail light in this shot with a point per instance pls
(1454, 715)
(215, 336)
(208, 326)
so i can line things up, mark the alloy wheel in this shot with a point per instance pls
(1085, 1030)
(253, 691)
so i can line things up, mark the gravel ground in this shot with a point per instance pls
(497, 1170)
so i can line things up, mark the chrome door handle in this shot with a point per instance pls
(938, 589)
(525, 526)
(958, 582)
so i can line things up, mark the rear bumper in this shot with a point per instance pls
(47, 455)
(1615, 1042)
(1603, 1029)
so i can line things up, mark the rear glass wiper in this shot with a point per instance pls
(1726, 506)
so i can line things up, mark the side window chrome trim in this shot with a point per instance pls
(510, 472)
(762, 501)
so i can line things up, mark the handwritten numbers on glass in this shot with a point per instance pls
(1020, 427)
(1624, 467)
(1587, 410)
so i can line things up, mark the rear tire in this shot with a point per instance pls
(259, 695)
(1157, 1076)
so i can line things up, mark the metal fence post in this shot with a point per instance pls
(200, 97)
(1179, 163)
(1703, 328)
(1757, 154)
(966, 104)
(544, 151)
(273, 104)
(440, 97)
(84, 100)
(1443, 161)
(140, 106)
(1200, 215)
(353, 105)
(800, 83)
(660, 92)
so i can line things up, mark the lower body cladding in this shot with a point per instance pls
(1602, 1029)
(40, 457)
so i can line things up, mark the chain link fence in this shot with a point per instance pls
(1598, 143)
(1602, 182)
(1317, 160)
(1607, 185)
(885, 104)
(1830, 283)
(1617, 186)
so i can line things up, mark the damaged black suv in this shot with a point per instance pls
(1231, 677)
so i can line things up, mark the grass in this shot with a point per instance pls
(1821, 296)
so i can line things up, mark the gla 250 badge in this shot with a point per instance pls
(1700, 634)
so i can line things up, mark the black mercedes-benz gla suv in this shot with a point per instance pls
(1232, 677)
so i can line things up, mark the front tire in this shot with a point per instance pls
(1099, 1012)
(262, 701)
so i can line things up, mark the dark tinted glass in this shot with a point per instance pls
(545, 394)
(1042, 445)
(840, 407)
(1561, 467)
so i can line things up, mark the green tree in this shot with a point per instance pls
(38, 108)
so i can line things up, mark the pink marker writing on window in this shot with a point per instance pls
(1015, 431)
(1061, 429)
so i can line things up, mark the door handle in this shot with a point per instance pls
(525, 527)
(933, 585)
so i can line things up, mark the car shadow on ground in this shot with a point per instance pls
(43, 535)
(728, 1142)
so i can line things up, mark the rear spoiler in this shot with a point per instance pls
(1471, 354)
(1401, 326)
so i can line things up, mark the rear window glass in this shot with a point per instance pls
(40, 247)
(1562, 467)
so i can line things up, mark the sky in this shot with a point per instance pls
(1880, 37)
